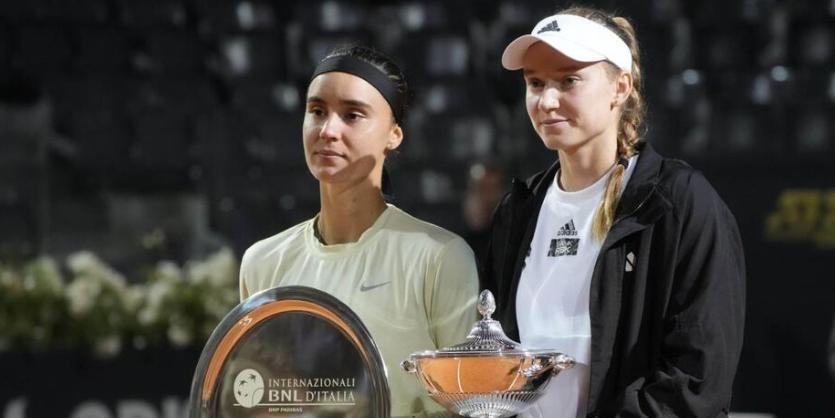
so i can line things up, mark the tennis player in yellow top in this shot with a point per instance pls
(413, 284)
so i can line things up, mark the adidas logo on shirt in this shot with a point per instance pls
(568, 229)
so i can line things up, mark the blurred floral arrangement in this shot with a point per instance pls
(88, 305)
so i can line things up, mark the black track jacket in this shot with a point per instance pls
(666, 336)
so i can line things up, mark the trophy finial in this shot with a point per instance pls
(486, 304)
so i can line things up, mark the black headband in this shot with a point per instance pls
(371, 74)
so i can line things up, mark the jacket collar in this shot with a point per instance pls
(644, 179)
(639, 204)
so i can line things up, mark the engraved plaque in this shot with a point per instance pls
(288, 352)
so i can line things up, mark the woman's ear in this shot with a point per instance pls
(395, 137)
(623, 88)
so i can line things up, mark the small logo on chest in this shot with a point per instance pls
(365, 288)
(568, 230)
(630, 262)
(565, 246)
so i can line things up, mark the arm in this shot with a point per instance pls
(451, 293)
(704, 317)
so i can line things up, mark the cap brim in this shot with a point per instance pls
(514, 54)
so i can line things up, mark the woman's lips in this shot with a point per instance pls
(553, 121)
(328, 154)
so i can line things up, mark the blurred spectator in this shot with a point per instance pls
(486, 184)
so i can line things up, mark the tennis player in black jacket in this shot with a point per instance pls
(624, 259)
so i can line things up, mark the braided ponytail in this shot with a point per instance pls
(631, 117)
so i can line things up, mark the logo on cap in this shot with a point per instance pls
(551, 27)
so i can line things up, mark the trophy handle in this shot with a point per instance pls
(408, 366)
(558, 362)
(562, 362)
(536, 367)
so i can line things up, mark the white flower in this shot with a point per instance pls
(8, 279)
(147, 315)
(179, 335)
(95, 287)
(85, 263)
(82, 261)
(43, 274)
(158, 291)
(219, 270)
(81, 295)
(109, 345)
(133, 297)
(168, 270)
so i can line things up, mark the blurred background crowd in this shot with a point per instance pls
(145, 144)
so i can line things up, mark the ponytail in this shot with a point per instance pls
(631, 119)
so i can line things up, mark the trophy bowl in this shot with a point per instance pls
(488, 375)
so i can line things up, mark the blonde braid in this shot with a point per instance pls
(631, 117)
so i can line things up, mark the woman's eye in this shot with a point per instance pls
(316, 111)
(570, 81)
(353, 116)
(534, 84)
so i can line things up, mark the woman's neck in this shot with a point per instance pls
(583, 166)
(347, 212)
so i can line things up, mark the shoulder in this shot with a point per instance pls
(424, 234)
(291, 238)
(688, 190)
(679, 181)
(523, 189)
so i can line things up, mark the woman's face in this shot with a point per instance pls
(570, 103)
(348, 129)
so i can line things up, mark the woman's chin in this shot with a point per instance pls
(325, 172)
(555, 142)
(563, 143)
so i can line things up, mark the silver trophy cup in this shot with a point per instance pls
(488, 375)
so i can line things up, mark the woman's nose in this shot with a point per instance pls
(331, 128)
(550, 99)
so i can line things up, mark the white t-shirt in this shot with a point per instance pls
(552, 300)
(413, 284)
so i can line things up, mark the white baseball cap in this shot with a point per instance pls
(576, 37)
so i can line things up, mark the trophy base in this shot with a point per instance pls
(487, 405)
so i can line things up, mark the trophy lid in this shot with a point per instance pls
(487, 335)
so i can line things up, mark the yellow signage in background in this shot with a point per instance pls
(803, 215)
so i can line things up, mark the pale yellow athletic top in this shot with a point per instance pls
(413, 284)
